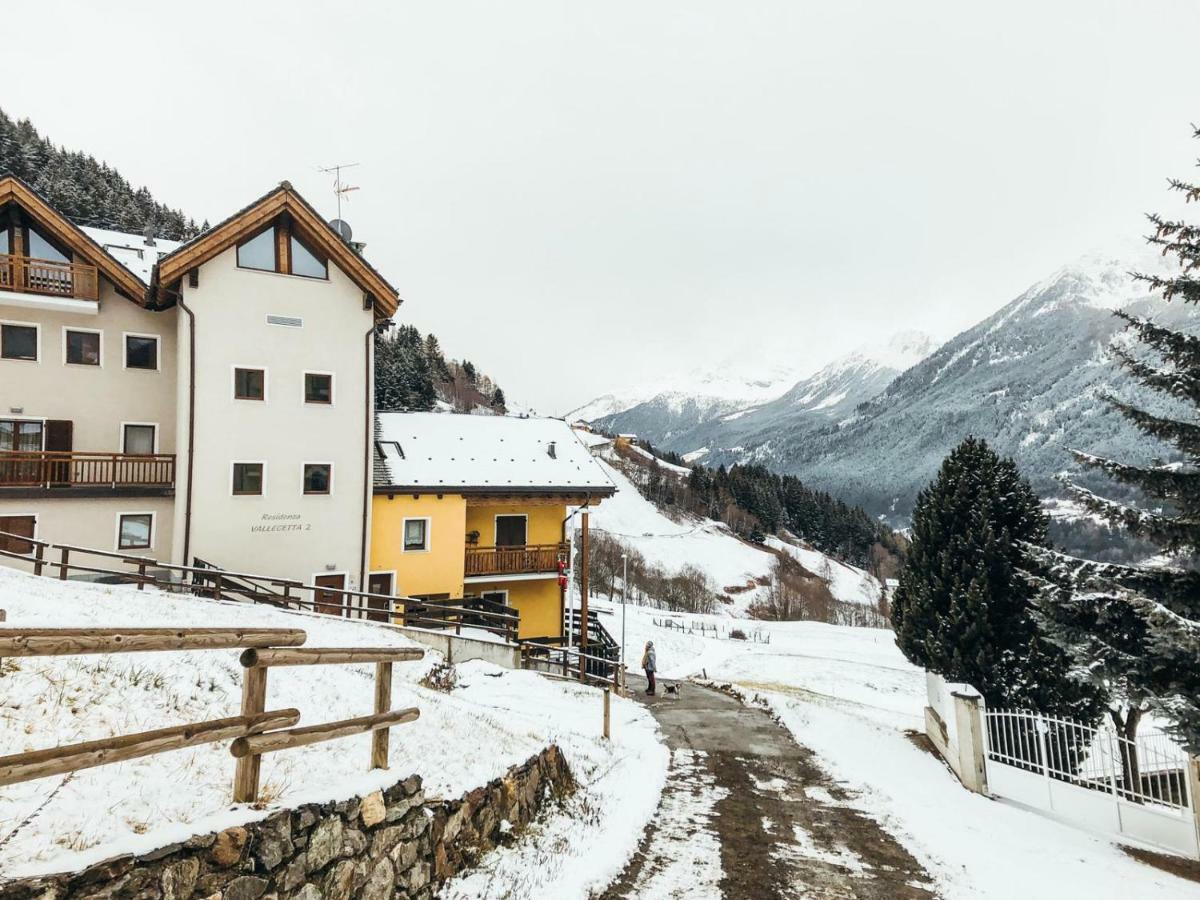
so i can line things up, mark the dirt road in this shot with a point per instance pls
(748, 813)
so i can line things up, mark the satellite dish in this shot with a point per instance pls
(342, 227)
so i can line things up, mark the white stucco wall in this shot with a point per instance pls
(283, 532)
(96, 399)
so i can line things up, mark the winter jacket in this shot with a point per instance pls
(649, 663)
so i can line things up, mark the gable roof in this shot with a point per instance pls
(456, 453)
(131, 250)
(256, 216)
(66, 232)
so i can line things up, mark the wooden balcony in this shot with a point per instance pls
(98, 472)
(43, 276)
(531, 559)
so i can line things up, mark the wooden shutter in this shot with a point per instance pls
(60, 435)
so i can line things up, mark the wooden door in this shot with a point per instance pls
(25, 526)
(377, 607)
(60, 438)
(327, 601)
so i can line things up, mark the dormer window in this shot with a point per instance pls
(279, 249)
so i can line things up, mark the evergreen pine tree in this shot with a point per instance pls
(962, 608)
(1137, 629)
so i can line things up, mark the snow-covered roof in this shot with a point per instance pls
(590, 438)
(484, 454)
(131, 250)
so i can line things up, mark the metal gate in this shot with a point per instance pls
(1093, 777)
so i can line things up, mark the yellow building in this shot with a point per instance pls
(477, 506)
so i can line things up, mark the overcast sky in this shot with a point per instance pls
(578, 196)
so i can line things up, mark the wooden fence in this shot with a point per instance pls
(254, 731)
(205, 579)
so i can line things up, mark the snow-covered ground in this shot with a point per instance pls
(494, 719)
(729, 561)
(849, 695)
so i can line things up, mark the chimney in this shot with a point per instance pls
(148, 234)
(551, 450)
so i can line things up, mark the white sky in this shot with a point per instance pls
(578, 196)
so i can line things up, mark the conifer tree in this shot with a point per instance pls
(1137, 629)
(962, 608)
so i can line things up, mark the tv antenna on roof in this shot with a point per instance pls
(338, 188)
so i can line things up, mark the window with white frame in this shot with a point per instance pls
(138, 438)
(318, 478)
(416, 535)
(247, 478)
(81, 347)
(18, 341)
(141, 352)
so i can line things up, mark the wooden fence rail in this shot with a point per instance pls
(73, 641)
(282, 593)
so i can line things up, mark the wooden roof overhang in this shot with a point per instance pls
(63, 231)
(282, 201)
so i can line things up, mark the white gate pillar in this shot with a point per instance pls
(972, 749)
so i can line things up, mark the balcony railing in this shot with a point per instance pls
(45, 276)
(53, 469)
(529, 559)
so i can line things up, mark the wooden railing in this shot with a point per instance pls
(49, 468)
(45, 276)
(525, 560)
(254, 732)
(207, 580)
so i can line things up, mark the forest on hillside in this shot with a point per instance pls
(413, 374)
(754, 502)
(86, 191)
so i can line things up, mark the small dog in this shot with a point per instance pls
(672, 691)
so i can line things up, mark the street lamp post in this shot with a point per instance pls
(624, 595)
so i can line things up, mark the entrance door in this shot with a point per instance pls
(327, 601)
(25, 526)
(510, 531)
(379, 583)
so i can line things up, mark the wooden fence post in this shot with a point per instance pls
(64, 554)
(383, 703)
(254, 702)
(39, 561)
(607, 713)
(141, 576)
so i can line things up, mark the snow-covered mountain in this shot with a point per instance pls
(1030, 379)
(701, 415)
(688, 399)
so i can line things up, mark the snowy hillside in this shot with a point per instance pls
(692, 417)
(494, 719)
(733, 566)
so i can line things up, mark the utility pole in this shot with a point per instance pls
(624, 595)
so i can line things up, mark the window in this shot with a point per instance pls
(40, 248)
(279, 249)
(258, 252)
(416, 535)
(317, 478)
(510, 531)
(250, 384)
(305, 262)
(20, 435)
(18, 341)
(247, 478)
(138, 439)
(318, 388)
(141, 351)
(82, 347)
(135, 531)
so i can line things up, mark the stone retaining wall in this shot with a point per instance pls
(392, 843)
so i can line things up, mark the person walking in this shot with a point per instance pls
(650, 665)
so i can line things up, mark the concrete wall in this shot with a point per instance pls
(459, 649)
(438, 570)
(282, 532)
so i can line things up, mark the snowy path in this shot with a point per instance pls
(748, 813)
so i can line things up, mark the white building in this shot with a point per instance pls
(210, 400)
